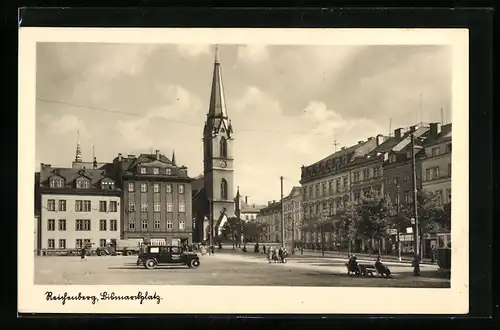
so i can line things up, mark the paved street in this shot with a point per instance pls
(223, 268)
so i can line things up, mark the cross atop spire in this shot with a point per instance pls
(78, 156)
(216, 53)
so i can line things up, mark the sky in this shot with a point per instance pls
(288, 104)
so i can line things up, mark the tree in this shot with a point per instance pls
(232, 228)
(347, 227)
(433, 216)
(375, 215)
(252, 231)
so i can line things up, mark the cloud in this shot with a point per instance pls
(325, 126)
(64, 125)
(115, 60)
(256, 102)
(194, 50)
(176, 102)
(252, 54)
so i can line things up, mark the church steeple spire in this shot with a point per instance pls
(78, 156)
(173, 158)
(217, 108)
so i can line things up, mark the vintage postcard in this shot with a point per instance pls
(277, 170)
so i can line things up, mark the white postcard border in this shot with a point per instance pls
(248, 299)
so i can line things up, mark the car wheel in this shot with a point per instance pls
(150, 264)
(194, 263)
(129, 253)
(102, 253)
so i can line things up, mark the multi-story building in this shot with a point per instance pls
(436, 166)
(77, 207)
(367, 176)
(326, 190)
(248, 211)
(293, 216)
(270, 219)
(156, 198)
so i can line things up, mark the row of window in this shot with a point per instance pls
(436, 151)
(82, 205)
(321, 188)
(433, 173)
(79, 243)
(156, 225)
(156, 187)
(81, 184)
(156, 171)
(156, 207)
(368, 174)
(82, 225)
(339, 203)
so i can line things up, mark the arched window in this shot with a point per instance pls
(223, 147)
(223, 189)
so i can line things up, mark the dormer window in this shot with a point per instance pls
(107, 185)
(142, 170)
(168, 171)
(56, 183)
(156, 170)
(82, 183)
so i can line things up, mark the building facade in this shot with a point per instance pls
(436, 166)
(293, 216)
(247, 210)
(156, 198)
(78, 207)
(270, 219)
(326, 190)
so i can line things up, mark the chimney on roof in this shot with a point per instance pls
(435, 129)
(413, 128)
(343, 148)
(370, 138)
(157, 154)
(120, 157)
(380, 139)
(246, 199)
(359, 142)
(183, 170)
(397, 133)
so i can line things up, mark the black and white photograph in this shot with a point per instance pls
(173, 161)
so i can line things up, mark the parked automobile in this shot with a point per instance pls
(154, 255)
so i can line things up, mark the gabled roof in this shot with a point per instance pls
(71, 174)
(443, 136)
(131, 163)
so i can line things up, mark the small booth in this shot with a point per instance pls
(443, 251)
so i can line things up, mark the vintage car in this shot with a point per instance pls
(155, 255)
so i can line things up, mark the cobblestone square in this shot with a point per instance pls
(224, 269)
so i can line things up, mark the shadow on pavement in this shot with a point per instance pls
(156, 268)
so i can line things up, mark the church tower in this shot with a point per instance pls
(218, 154)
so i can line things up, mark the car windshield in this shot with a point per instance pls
(175, 249)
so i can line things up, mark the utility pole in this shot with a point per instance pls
(390, 126)
(415, 201)
(282, 215)
(292, 216)
(398, 210)
(210, 224)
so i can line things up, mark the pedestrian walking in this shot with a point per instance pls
(83, 254)
(264, 248)
(416, 265)
(270, 254)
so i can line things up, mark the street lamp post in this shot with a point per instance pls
(210, 224)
